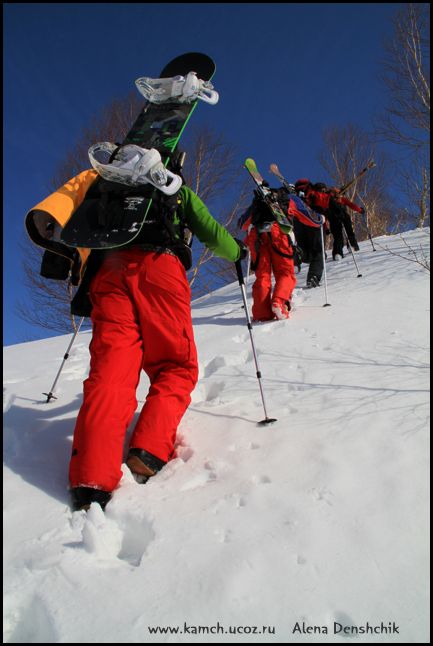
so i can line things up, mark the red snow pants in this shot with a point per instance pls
(270, 250)
(141, 319)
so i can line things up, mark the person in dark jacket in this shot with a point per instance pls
(338, 205)
(332, 205)
(306, 224)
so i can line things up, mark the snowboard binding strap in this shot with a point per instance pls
(133, 166)
(179, 89)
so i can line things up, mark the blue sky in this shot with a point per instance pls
(285, 72)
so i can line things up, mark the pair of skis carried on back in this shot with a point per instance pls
(268, 197)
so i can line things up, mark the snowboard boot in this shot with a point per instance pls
(313, 281)
(82, 497)
(143, 465)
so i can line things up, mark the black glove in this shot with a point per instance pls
(243, 249)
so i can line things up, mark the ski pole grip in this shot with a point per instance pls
(239, 272)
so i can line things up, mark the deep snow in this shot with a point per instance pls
(319, 518)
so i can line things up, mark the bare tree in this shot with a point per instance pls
(211, 165)
(412, 253)
(415, 180)
(211, 171)
(407, 78)
(346, 151)
(48, 304)
(406, 121)
(210, 271)
(112, 124)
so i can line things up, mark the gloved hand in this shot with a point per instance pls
(243, 249)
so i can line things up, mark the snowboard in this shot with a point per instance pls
(159, 126)
(266, 194)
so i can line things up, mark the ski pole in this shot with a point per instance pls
(50, 394)
(238, 265)
(368, 230)
(248, 274)
(326, 304)
(248, 269)
(349, 246)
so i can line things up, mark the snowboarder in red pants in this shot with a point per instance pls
(138, 298)
(271, 254)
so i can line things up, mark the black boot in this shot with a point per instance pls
(313, 281)
(82, 497)
(143, 464)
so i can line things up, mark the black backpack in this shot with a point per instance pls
(261, 213)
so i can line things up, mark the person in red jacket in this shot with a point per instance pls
(271, 255)
(332, 205)
(338, 210)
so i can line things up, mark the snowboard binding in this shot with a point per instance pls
(133, 166)
(178, 89)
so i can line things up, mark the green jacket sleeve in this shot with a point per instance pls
(206, 228)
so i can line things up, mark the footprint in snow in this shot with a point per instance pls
(322, 495)
(101, 536)
(115, 535)
(214, 364)
(221, 361)
(261, 479)
(213, 390)
(223, 535)
(199, 480)
(240, 338)
(241, 501)
(137, 535)
(31, 624)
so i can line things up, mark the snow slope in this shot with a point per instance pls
(265, 534)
